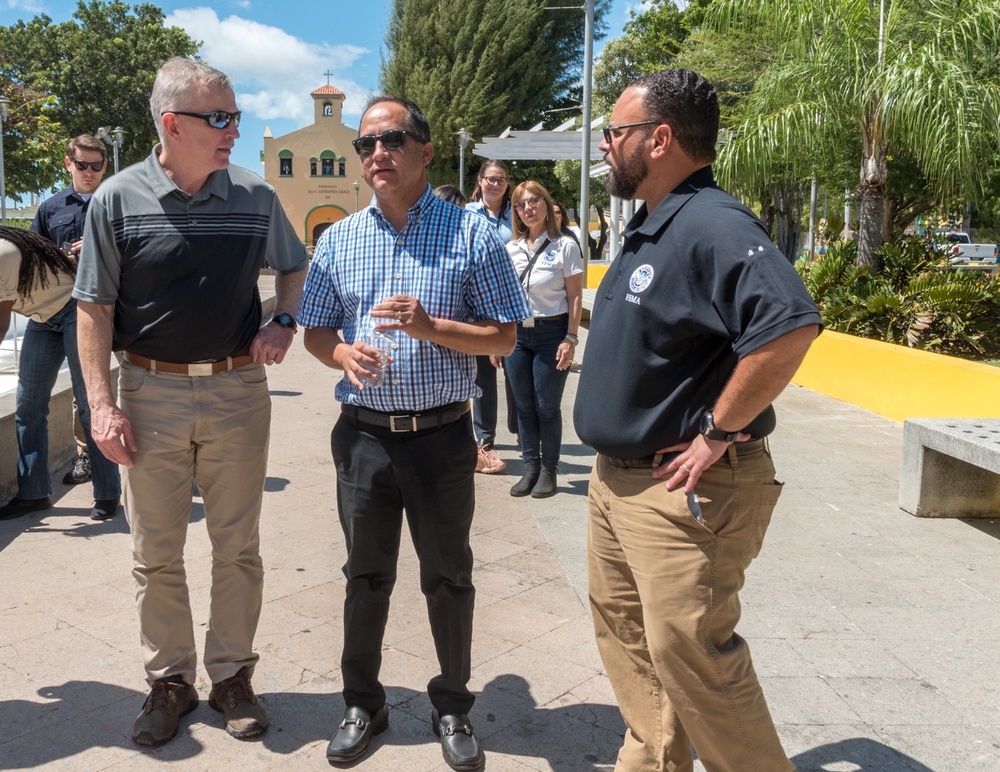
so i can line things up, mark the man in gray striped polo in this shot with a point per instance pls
(168, 274)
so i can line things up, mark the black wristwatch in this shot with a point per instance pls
(286, 320)
(710, 432)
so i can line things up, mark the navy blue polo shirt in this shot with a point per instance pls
(697, 286)
(62, 217)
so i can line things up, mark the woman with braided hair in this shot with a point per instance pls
(36, 279)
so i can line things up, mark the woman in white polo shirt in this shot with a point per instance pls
(551, 270)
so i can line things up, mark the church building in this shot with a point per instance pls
(314, 170)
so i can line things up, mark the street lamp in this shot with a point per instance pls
(357, 187)
(464, 135)
(105, 133)
(4, 101)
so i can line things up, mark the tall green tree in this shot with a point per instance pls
(99, 66)
(30, 141)
(483, 66)
(907, 83)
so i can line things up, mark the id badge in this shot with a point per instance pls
(529, 322)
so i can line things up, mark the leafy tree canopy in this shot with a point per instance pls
(99, 68)
(483, 66)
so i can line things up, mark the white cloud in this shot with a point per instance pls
(25, 6)
(273, 71)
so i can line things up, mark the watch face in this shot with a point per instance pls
(284, 320)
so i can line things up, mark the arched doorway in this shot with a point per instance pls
(319, 219)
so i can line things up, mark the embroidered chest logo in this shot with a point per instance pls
(640, 280)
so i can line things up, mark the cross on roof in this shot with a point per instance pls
(328, 76)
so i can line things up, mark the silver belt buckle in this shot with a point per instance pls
(410, 427)
(201, 369)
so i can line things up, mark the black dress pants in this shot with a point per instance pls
(429, 475)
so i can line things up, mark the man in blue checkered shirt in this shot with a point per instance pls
(430, 285)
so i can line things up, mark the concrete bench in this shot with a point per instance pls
(951, 467)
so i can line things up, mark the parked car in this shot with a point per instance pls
(960, 249)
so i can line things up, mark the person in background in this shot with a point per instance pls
(491, 199)
(550, 267)
(36, 280)
(563, 222)
(168, 274)
(451, 194)
(61, 219)
(702, 322)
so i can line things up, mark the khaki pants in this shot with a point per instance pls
(213, 430)
(664, 595)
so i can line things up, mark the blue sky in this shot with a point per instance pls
(277, 52)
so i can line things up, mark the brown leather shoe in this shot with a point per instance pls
(161, 713)
(234, 698)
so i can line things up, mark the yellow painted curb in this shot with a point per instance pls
(899, 382)
(595, 272)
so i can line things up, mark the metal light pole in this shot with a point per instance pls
(588, 69)
(357, 187)
(4, 101)
(463, 139)
(119, 136)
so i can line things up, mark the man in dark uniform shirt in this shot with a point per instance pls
(703, 322)
(60, 219)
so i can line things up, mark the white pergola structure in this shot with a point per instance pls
(557, 144)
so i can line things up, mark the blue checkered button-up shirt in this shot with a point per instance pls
(451, 260)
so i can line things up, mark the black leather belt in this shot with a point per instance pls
(646, 462)
(408, 422)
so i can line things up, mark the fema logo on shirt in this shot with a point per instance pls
(642, 277)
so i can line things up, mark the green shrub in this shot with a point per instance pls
(915, 300)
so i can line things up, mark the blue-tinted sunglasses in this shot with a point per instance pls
(217, 119)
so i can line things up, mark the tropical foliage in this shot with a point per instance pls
(484, 66)
(96, 69)
(917, 299)
(916, 83)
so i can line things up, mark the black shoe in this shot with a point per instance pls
(458, 744)
(546, 485)
(104, 508)
(528, 479)
(17, 507)
(80, 471)
(357, 728)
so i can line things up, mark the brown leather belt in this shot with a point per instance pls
(408, 422)
(646, 462)
(239, 359)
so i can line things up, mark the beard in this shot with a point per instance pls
(625, 180)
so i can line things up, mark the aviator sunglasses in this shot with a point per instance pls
(82, 166)
(217, 119)
(393, 139)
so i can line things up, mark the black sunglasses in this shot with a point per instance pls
(393, 139)
(82, 166)
(217, 119)
(608, 129)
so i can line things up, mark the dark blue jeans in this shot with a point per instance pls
(484, 407)
(46, 344)
(538, 388)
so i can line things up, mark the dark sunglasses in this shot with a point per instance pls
(608, 129)
(217, 119)
(393, 139)
(82, 166)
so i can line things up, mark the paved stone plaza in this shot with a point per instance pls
(874, 632)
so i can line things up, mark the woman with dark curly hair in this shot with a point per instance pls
(36, 279)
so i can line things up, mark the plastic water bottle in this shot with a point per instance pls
(385, 345)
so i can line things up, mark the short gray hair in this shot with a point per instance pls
(173, 83)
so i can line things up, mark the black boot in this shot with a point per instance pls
(528, 479)
(546, 485)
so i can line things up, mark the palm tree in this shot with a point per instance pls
(906, 77)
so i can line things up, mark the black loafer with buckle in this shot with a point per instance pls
(355, 732)
(458, 743)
